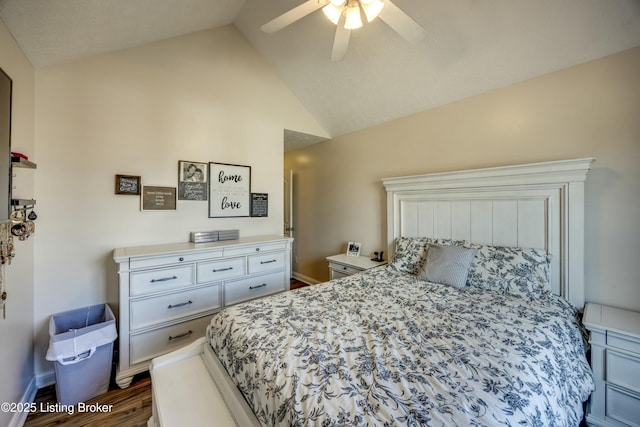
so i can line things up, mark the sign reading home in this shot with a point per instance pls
(158, 198)
(229, 190)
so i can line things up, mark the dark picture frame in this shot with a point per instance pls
(128, 184)
(192, 180)
(259, 205)
(155, 198)
(229, 190)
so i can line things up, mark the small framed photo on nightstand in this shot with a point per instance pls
(353, 249)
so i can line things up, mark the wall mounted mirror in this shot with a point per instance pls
(5, 146)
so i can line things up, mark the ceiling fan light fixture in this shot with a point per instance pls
(352, 17)
(372, 8)
(333, 12)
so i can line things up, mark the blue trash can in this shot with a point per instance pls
(81, 345)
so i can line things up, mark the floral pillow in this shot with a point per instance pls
(520, 272)
(411, 252)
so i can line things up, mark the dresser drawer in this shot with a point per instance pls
(150, 311)
(222, 269)
(337, 274)
(343, 269)
(162, 279)
(623, 406)
(623, 342)
(247, 250)
(266, 261)
(246, 289)
(623, 370)
(148, 345)
(173, 259)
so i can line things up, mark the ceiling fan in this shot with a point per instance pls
(347, 15)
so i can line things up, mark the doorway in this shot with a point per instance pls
(288, 214)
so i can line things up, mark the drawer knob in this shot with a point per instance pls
(344, 268)
(164, 279)
(257, 249)
(181, 259)
(257, 287)
(177, 337)
(182, 304)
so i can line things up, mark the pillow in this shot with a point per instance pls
(410, 252)
(447, 265)
(519, 272)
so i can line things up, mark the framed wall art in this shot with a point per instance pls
(128, 184)
(259, 204)
(192, 180)
(229, 190)
(158, 198)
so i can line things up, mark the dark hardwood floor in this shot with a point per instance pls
(296, 284)
(131, 407)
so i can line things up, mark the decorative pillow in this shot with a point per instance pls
(410, 252)
(448, 265)
(520, 272)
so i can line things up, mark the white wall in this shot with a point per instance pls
(16, 331)
(591, 110)
(203, 97)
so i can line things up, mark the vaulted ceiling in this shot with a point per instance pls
(471, 46)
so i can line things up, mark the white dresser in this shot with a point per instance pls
(169, 292)
(615, 360)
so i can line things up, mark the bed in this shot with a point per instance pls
(473, 322)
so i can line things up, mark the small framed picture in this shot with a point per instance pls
(192, 171)
(353, 249)
(158, 198)
(128, 184)
(192, 180)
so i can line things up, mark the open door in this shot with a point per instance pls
(288, 213)
(288, 203)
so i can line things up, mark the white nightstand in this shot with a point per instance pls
(342, 265)
(615, 360)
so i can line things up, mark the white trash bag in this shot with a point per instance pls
(81, 345)
(74, 335)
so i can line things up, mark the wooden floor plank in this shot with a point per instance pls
(130, 407)
(296, 284)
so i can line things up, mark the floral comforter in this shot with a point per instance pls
(382, 348)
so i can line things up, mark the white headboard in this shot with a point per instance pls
(539, 205)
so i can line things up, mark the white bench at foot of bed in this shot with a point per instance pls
(191, 388)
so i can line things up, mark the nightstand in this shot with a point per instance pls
(615, 361)
(342, 265)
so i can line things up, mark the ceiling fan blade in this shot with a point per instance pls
(401, 22)
(292, 16)
(340, 41)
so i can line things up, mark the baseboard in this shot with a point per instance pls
(305, 279)
(29, 396)
(45, 379)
